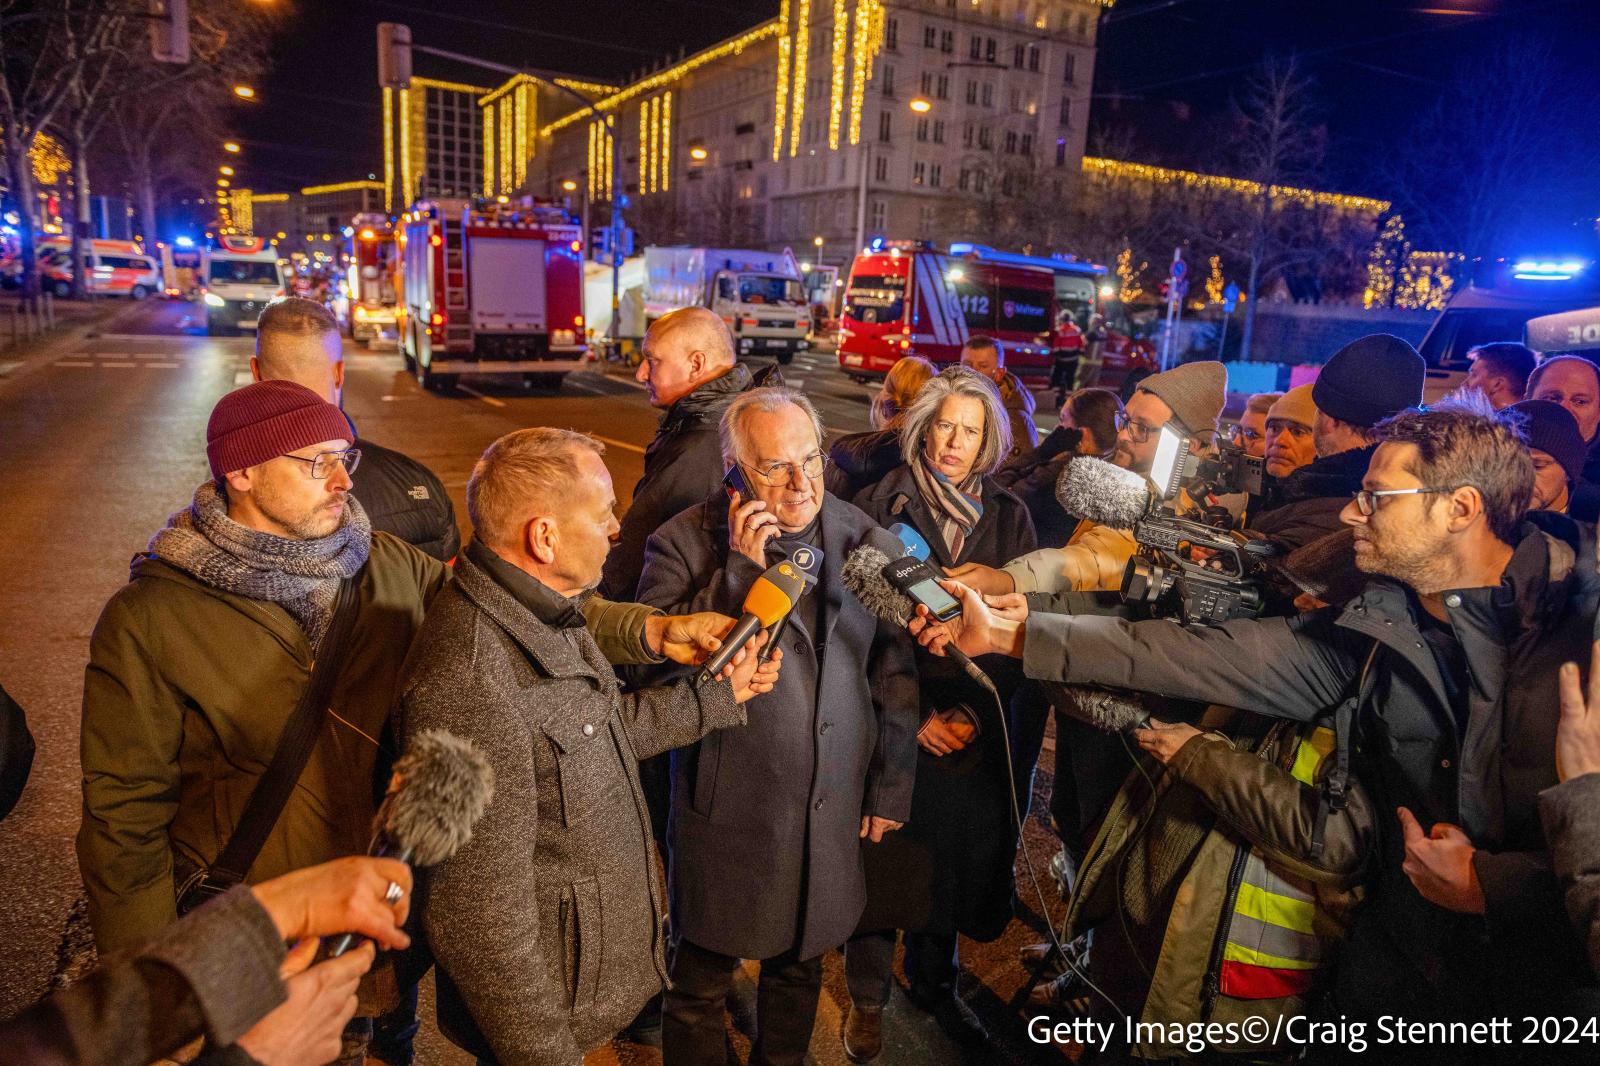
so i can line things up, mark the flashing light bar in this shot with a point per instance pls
(1547, 270)
(961, 249)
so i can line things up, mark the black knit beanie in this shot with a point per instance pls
(1551, 429)
(1370, 379)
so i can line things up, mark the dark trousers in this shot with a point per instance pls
(931, 966)
(693, 1022)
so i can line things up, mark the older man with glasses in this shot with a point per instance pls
(196, 664)
(767, 822)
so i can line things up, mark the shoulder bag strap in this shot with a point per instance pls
(299, 736)
(1336, 786)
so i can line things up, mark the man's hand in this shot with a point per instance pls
(342, 896)
(1440, 866)
(750, 526)
(1163, 739)
(873, 828)
(978, 631)
(939, 736)
(1578, 731)
(1011, 606)
(689, 639)
(985, 579)
(750, 676)
(309, 1026)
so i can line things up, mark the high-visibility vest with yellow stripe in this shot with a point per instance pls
(1272, 949)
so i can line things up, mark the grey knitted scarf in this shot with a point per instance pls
(300, 575)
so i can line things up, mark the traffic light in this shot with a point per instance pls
(169, 31)
(394, 55)
(600, 244)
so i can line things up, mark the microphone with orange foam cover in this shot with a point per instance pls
(773, 596)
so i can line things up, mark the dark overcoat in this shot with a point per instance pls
(958, 849)
(765, 848)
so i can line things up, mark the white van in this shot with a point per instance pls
(241, 276)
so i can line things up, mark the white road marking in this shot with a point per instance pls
(618, 443)
(161, 366)
(389, 399)
(119, 366)
(490, 400)
(65, 362)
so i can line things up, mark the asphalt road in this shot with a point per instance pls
(102, 436)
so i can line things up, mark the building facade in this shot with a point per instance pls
(839, 119)
(432, 142)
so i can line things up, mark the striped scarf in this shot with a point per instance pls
(957, 508)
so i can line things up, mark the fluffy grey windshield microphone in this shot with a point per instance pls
(1103, 493)
(440, 788)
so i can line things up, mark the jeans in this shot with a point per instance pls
(693, 1024)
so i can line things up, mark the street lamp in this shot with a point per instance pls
(244, 92)
(231, 147)
(569, 186)
(698, 154)
(921, 105)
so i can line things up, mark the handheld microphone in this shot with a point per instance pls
(1101, 492)
(773, 595)
(440, 788)
(867, 573)
(915, 546)
(808, 561)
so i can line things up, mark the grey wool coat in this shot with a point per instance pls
(764, 835)
(547, 924)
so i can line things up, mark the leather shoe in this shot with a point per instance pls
(863, 1033)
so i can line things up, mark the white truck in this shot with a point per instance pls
(241, 275)
(760, 295)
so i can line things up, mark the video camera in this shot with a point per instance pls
(1225, 578)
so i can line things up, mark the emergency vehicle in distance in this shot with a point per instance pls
(491, 289)
(1501, 296)
(368, 301)
(760, 295)
(910, 298)
(240, 276)
(116, 268)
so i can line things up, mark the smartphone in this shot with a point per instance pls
(920, 581)
(734, 481)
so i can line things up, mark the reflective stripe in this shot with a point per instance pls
(1249, 937)
(1308, 757)
(1249, 957)
(1289, 912)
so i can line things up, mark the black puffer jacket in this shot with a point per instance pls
(682, 466)
(1032, 476)
(404, 498)
(859, 460)
(1305, 505)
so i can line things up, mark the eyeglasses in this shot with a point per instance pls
(1239, 433)
(1367, 499)
(1138, 432)
(777, 474)
(322, 463)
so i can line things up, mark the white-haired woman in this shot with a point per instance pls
(948, 872)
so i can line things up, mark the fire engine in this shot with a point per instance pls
(369, 296)
(910, 298)
(491, 289)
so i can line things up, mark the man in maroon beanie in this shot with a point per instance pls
(197, 663)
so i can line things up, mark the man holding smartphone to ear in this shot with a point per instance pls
(767, 822)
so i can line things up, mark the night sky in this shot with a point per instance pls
(1166, 68)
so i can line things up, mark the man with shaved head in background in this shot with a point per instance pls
(298, 340)
(690, 371)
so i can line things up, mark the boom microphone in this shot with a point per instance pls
(866, 574)
(440, 788)
(1100, 492)
(773, 595)
(915, 546)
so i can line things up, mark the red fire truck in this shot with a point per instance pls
(909, 298)
(491, 289)
(369, 298)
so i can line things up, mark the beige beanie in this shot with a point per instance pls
(1295, 406)
(1196, 392)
